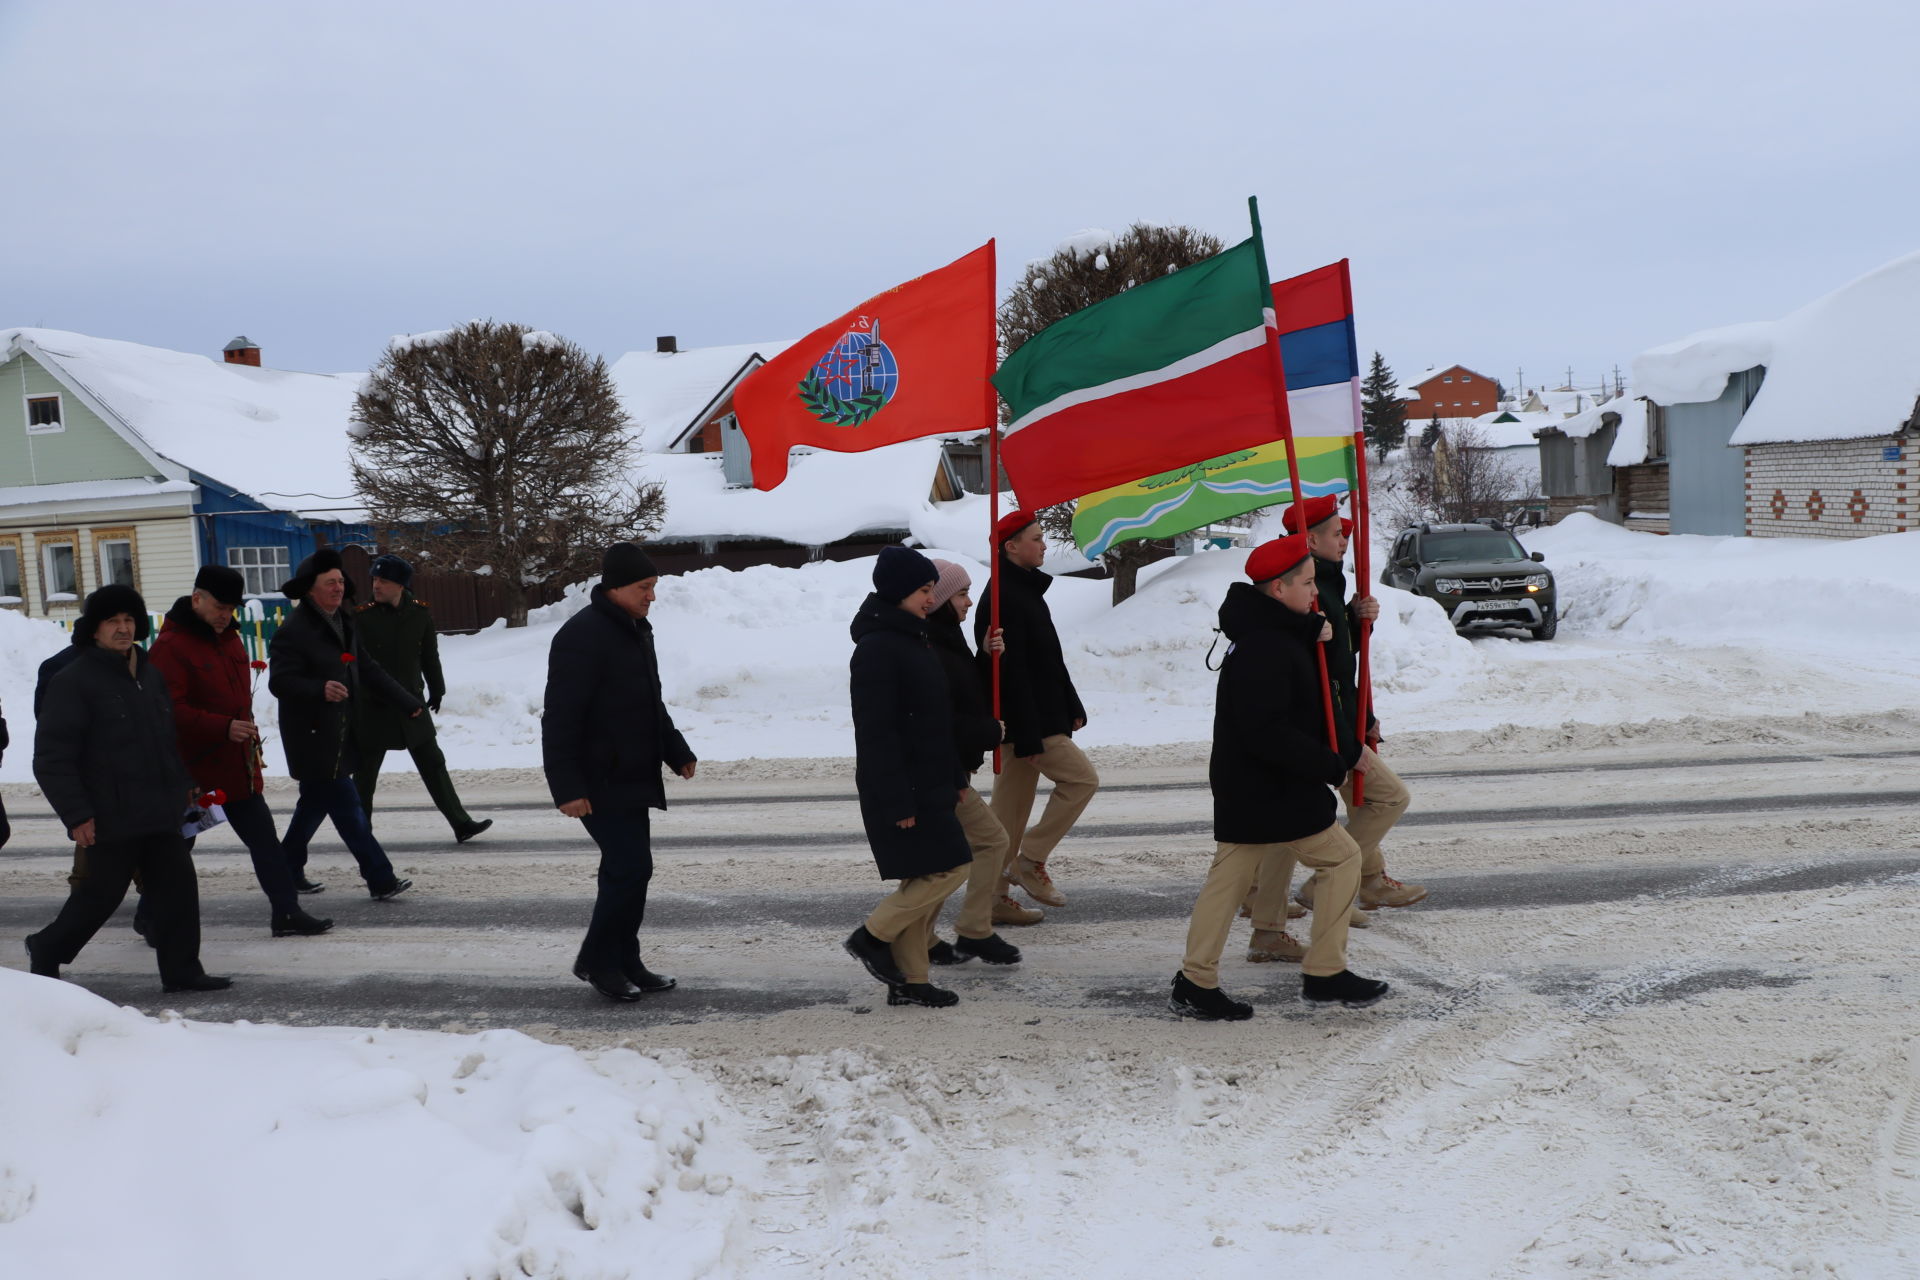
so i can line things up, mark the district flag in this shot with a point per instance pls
(1314, 313)
(911, 362)
(1167, 372)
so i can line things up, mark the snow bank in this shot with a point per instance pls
(430, 1155)
(826, 496)
(1844, 366)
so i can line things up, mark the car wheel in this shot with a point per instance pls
(1546, 630)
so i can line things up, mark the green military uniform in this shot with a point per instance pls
(401, 639)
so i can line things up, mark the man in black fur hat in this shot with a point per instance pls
(316, 670)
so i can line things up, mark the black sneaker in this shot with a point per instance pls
(1344, 987)
(390, 891)
(304, 885)
(205, 982)
(298, 923)
(876, 955)
(943, 952)
(993, 949)
(611, 983)
(462, 834)
(1209, 1004)
(924, 994)
(646, 979)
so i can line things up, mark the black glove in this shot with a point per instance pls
(434, 706)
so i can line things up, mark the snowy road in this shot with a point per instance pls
(1655, 1016)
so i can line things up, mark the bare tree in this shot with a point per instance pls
(498, 449)
(1462, 478)
(1075, 278)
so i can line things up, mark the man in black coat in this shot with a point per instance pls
(105, 758)
(1272, 773)
(6, 829)
(1043, 712)
(317, 671)
(604, 736)
(907, 773)
(1384, 797)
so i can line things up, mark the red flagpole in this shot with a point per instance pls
(1284, 422)
(1362, 507)
(993, 499)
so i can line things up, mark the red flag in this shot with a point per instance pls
(910, 362)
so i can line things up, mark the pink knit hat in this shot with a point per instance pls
(951, 582)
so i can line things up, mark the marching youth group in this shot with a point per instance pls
(139, 750)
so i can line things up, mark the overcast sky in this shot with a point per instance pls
(1518, 185)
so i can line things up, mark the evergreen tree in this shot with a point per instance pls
(1431, 436)
(1382, 412)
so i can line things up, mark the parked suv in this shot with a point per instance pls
(1478, 573)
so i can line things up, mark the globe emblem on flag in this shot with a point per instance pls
(853, 381)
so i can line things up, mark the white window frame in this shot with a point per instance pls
(17, 598)
(48, 594)
(45, 428)
(254, 569)
(100, 546)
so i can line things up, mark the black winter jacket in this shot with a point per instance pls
(606, 730)
(104, 748)
(975, 731)
(1037, 697)
(303, 655)
(904, 760)
(1343, 651)
(1272, 771)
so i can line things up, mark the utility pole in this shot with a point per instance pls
(1569, 385)
(1619, 387)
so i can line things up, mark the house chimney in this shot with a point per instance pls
(667, 345)
(242, 350)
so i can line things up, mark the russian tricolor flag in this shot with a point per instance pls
(1314, 313)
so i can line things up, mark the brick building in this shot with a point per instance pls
(1832, 488)
(1453, 392)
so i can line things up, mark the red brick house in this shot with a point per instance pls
(1453, 392)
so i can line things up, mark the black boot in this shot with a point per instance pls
(610, 983)
(297, 923)
(646, 979)
(304, 885)
(144, 927)
(993, 949)
(468, 831)
(924, 994)
(39, 965)
(876, 955)
(1344, 987)
(943, 952)
(1209, 1004)
(204, 982)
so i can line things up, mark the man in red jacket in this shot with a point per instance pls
(209, 677)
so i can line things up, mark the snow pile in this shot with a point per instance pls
(1844, 366)
(825, 497)
(420, 341)
(1088, 243)
(435, 1155)
(25, 643)
(541, 340)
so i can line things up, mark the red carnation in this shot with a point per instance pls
(213, 797)
(258, 664)
(346, 657)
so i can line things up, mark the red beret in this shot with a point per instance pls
(1012, 523)
(1346, 526)
(1302, 516)
(1271, 559)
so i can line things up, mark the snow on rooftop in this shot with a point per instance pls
(1844, 366)
(663, 390)
(276, 436)
(1629, 441)
(826, 496)
(1511, 435)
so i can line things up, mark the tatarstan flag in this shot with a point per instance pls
(1168, 372)
(913, 361)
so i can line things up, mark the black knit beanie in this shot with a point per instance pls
(898, 572)
(625, 564)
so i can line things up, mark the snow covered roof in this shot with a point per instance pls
(1512, 435)
(664, 391)
(139, 493)
(1843, 366)
(1629, 441)
(276, 436)
(825, 497)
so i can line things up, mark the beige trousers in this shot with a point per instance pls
(905, 918)
(988, 840)
(1386, 800)
(1235, 867)
(1074, 782)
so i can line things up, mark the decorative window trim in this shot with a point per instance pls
(59, 422)
(15, 543)
(52, 538)
(119, 533)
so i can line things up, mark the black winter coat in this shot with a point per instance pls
(104, 748)
(975, 731)
(1037, 697)
(606, 731)
(1343, 651)
(904, 760)
(1272, 771)
(303, 655)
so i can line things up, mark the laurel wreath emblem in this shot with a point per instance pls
(834, 411)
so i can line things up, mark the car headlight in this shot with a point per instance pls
(1539, 581)
(1452, 586)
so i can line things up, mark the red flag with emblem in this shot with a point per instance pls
(913, 361)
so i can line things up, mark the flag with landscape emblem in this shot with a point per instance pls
(1166, 373)
(911, 362)
(1314, 313)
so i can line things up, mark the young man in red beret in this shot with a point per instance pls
(1386, 796)
(1272, 774)
(1042, 713)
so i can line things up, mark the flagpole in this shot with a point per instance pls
(1362, 507)
(1284, 421)
(993, 494)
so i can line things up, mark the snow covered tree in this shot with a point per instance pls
(1383, 414)
(498, 449)
(1431, 436)
(1088, 268)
